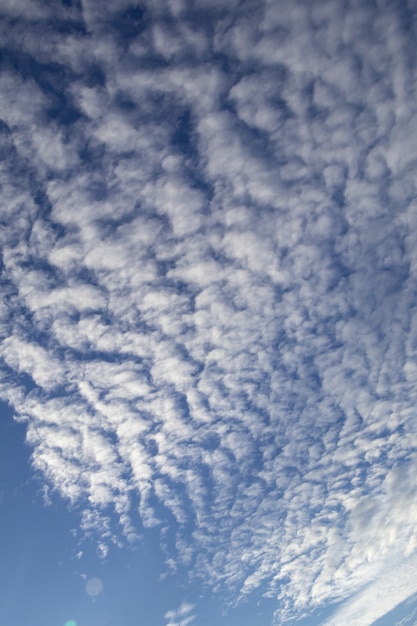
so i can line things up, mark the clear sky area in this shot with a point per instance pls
(208, 313)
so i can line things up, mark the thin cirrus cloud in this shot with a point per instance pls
(208, 258)
(181, 616)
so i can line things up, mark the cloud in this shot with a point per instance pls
(207, 277)
(181, 616)
(392, 587)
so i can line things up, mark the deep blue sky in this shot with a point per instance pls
(208, 313)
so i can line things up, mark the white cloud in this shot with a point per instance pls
(393, 585)
(208, 278)
(180, 616)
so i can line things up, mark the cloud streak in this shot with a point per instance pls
(208, 257)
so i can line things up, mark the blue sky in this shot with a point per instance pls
(208, 316)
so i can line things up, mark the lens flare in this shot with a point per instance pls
(71, 623)
(94, 587)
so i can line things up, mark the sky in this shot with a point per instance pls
(208, 322)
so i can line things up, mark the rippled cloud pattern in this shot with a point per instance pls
(208, 283)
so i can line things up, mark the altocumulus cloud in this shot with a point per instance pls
(209, 281)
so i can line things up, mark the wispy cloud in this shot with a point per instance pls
(208, 292)
(391, 587)
(181, 616)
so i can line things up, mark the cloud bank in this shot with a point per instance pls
(208, 280)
